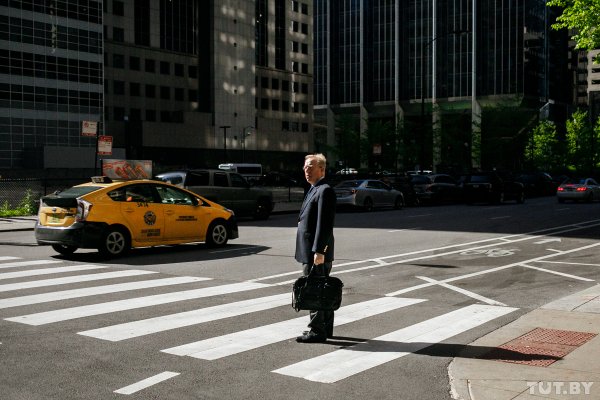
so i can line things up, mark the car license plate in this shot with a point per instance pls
(53, 219)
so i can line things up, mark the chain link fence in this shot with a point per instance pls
(14, 191)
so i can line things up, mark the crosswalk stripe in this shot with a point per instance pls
(7, 258)
(73, 279)
(341, 364)
(143, 327)
(47, 271)
(28, 263)
(223, 346)
(130, 304)
(95, 290)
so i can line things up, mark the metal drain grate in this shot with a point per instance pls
(539, 347)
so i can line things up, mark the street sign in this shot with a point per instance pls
(89, 128)
(105, 145)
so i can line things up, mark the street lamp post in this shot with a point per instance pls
(225, 127)
(425, 48)
(245, 134)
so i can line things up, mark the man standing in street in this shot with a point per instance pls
(314, 240)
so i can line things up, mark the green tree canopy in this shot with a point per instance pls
(541, 149)
(584, 17)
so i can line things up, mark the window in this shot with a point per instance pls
(305, 88)
(220, 179)
(118, 61)
(264, 82)
(119, 87)
(165, 92)
(178, 69)
(179, 96)
(135, 114)
(151, 115)
(169, 195)
(285, 86)
(150, 91)
(192, 95)
(192, 71)
(275, 84)
(118, 34)
(304, 8)
(150, 65)
(165, 67)
(275, 105)
(134, 89)
(238, 181)
(304, 48)
(304, 29)
(304, 68)
(134, 63)
(165, 116)
(264, 104)
(119, 113)
(198, 178)
(118, 8)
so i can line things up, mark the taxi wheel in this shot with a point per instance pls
(64, 249)
(114, 243)
(217, 234)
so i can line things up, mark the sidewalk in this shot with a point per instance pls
(563, 323)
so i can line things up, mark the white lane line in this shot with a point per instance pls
(568, 262)
(509, 239)
(130, 304)
(404, 230)
(344, 363)
(496, 269)
(95, 290)
(234, 343)
(419, 215)
(48, 271)
(524, 265)
(73, 279)
(146, 383)
(463, 291)
(28, 263)
(115, 333)
(7, 258)
(502, 217)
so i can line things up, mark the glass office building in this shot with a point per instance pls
(51, 73)
(437, 66)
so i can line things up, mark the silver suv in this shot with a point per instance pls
(228, 189)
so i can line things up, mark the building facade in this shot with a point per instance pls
(439, 70)
(198, 83)
(50, 80)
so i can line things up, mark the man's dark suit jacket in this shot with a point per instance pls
(315, 224)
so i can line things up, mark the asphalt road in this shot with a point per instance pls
(420, 285)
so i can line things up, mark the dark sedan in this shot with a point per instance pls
(490, 187)
(437, 188)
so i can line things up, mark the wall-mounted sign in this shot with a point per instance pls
(89, 128)
(105, 145)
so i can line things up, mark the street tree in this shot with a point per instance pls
(542, 149)
(582, 143)
(583, 16)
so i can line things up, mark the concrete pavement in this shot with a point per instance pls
(560, 361)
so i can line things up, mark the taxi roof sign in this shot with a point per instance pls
(101, 179)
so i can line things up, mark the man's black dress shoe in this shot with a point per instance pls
(310, 337)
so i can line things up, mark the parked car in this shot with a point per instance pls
(116, 216)
(229, 189)
(403, 184)
(491, 187)
(537, 184)
(437, 188)
(368, 194)
(586, 189)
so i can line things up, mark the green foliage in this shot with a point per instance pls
(382, 133)
(26, 207)
(541, 150)
(582, 142)
(584, 17)
(348, 140)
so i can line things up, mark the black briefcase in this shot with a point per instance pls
(317, 293)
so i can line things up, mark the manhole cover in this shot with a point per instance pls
(539, 347)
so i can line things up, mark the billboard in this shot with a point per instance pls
(127, 169)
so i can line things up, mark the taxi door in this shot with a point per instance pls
(143, 213)
(185, 218)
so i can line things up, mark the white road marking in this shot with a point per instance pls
(568, 262)
(115, 333)
(73, 279)
(548, 240)
(143, 384)
(28, 263)
(234, 343)
(524, 265)
(130, 304)
(496, 269)
(404, 230)
(48, 271)
(344, 363)
(7, 258)
(95, 290)
(463, 291)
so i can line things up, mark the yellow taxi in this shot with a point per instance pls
(115, 216)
